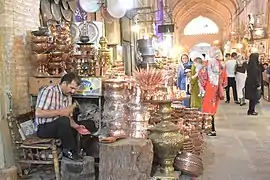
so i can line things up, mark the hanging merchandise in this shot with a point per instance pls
(115, 9)
(90, 6)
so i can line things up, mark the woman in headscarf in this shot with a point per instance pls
(253, 83)
(213, 79)
(240, 78)
(196, 99)
(183, 75)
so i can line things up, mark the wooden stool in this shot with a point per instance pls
(73, 170)
(126, 159)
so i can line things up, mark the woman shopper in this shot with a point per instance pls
(196, 100)
(183, 76)
(213, 79)
(253, 83)
(240, 78)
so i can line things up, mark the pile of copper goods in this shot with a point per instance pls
(189, 163)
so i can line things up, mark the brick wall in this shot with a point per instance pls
(18, 18)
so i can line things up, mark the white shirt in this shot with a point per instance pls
(230, 67)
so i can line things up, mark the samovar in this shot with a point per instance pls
(166, 138)
(104, 56)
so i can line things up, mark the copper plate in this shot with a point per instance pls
(64, 5)
(56, 1)
(72, 5)
(56, 11)
(75, 32)
(67, 14)
(45, 10)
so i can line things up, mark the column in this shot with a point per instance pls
(18, 18)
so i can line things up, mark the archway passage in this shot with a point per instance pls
(202, 48)
(201, 25)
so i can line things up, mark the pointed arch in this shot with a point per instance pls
(201, 25)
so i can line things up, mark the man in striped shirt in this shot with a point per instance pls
(54, 113)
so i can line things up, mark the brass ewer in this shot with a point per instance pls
(166, 138)
(104, 56)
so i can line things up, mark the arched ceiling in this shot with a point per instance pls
(220, 11)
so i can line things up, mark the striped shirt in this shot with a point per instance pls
(51, 98)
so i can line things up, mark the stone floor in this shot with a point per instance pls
(241, 151)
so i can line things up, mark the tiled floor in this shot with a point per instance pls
(241, 151)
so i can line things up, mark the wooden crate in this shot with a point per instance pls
(35, 83)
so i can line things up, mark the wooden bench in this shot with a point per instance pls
(33, 150)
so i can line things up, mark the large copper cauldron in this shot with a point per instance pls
(189, 164)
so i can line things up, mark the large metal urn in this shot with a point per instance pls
(147, 52)
(115, 108)
(166, 138)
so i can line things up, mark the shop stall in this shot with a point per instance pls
(142, 127)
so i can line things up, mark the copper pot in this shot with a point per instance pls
(40, 39)
(41, 47)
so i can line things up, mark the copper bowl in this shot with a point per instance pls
(66, 56)
(40, 39)
(41, 47)
(40, 57)
(63, 48)
(56, 54)
(56, 59)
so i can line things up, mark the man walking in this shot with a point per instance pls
(230, 68)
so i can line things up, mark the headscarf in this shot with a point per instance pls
(181, 64)
(213, 66)
(253, 62)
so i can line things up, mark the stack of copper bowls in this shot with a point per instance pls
(188, 145)
(197, 140)
(41, 46)
(188, 163)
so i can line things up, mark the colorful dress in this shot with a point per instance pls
(213, 79)
(196, 101)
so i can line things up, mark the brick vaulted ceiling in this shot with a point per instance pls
(220, 11)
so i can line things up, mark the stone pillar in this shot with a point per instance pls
(18, 17)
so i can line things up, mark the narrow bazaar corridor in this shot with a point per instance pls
(241, 149)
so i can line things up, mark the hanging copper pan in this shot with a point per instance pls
(72, 5)
(56, 11)
(64, 5)
(67, 14)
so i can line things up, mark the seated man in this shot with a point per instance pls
(54, 113)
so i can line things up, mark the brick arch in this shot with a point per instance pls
(182, 23)
(190, 41)
(230, 5)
